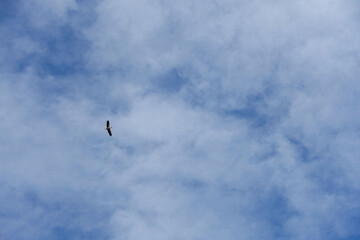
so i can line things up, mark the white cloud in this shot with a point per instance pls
(257, 141)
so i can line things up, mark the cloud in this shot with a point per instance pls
(231, 120)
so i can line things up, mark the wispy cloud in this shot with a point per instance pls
(231, 120)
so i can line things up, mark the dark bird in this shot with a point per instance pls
(108, 128)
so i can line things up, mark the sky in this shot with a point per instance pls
(231, 119)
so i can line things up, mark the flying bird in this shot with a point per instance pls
(108, 128)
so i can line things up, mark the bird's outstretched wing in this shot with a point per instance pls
(107, 124)
(109, 131)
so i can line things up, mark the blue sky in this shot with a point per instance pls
(231, 119)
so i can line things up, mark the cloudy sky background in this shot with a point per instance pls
(231, 119)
